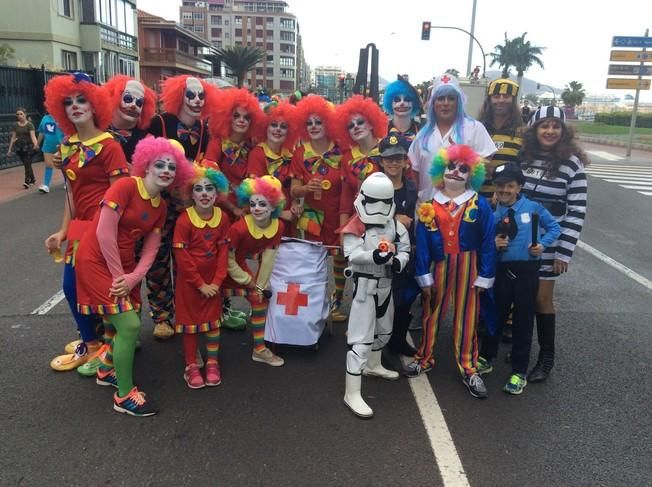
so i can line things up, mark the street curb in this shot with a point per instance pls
(614, 143)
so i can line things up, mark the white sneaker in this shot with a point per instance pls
(266, 356)
(44, 189)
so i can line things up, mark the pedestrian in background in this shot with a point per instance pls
(50, 135)
(23, 141)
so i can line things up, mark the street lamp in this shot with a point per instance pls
(554, 100)
(484, 56)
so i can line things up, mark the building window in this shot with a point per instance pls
(226, 21)
(259, 34)
(216, 20)
(237, 20)
(227, 34)
(186, 16)
(216, 32)
(259, 71)
(269, 84)
(198, 28)
(65, 8)
(286, 61)
(215, 8)
(259, 44)
(270, 58)
(270, 72)
(270, 34)
(287, 73)
(260, 20)
(287, 48)
(68, 60)
(286, 85)
(287, 36)
(198, 16)
(270, 19)
(269, 46)
(287, 23)
(127, 66)
(238, 32)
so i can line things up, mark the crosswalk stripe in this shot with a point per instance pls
(625, 180)
(637, 178)
(605, 155)
(618, 166)
(634, 187)
(646, 193)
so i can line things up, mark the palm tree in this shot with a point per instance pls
(574, 94)
(524, 55)
(503, 57)
(240, 60)
(6, 53)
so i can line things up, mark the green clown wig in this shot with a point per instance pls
(461, 154)
(213, 174)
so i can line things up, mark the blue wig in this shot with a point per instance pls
(400, 87)
(458, 125)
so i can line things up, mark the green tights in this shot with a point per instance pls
(127, 326)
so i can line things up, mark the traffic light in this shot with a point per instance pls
(341, 80)
(425, 31)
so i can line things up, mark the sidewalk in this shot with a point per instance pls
(610, 141)
(11, 182)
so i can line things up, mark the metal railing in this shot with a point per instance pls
(174, 56)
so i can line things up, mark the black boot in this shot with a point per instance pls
(398, 342)
(546, 360)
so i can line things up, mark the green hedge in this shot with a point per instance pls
(624, 119)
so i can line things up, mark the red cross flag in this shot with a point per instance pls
(298, 308)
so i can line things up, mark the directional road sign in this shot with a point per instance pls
(634, 56)
(630, 70)
(625, 41)
(628, 84)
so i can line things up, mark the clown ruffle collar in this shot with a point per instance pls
(142, 191)
(198, 222)
(257, 232)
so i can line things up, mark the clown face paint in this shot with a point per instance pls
(240, 121)
(315, 127)
(358, 128)
(277, 131)
(260, 209)
(193, 98)
(78, 109)
(162, 171)
(456, 176)
(131, 105)
(204, 194)
(401, 105)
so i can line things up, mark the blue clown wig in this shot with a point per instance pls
(462, 154)
(458, 125)
(397, 88)
(213, 174)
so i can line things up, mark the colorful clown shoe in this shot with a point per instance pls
(135, 404)
(233, 320)
(70, 347)
(71, 361)
(163, 330)
(89, 369)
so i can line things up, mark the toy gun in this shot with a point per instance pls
(383, 246)
(507, 225)
(535, 229)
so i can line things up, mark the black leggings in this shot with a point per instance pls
(26, 158)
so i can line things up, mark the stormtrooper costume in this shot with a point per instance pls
(376, 246)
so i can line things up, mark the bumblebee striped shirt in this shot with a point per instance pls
(508, 146)
(565, 196)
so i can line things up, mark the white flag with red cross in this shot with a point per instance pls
(298, 308)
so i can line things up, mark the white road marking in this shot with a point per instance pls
(646, 193)
(605, 155)
(625, 180)
(49, 304)
(441, 441)
(628, 186)
(616, 265)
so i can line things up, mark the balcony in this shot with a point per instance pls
(120, 39)
(174, 58)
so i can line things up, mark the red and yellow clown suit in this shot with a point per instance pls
(356, 166)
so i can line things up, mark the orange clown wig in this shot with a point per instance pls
(318, 106)
(174, 89)
(221, 113)
(370, 111)
(65, 86)
(282, 112)
(116, 86)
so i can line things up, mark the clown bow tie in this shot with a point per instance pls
(183, 132)
(86, 152)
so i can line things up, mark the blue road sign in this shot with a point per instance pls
(625, 41)
(630, 70)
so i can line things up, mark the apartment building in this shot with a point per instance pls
(97, 36)
(266, 24)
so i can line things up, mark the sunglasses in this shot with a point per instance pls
(161, 165)
(191, 95)
(359, 122)
(279, 125)
(314, 122)
(128, 99)
(463, 168)
(80, 100)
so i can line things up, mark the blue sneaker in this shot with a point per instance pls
(106, 378)
(135, 404)
(515, 384)
(484, 366)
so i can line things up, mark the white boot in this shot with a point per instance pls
(353, 399)
(375, 367)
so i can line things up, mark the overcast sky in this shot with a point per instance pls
(577, 34)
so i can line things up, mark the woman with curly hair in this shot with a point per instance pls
(234, 124)
(553, 166)
(257, 234)
(317, 178)
(361, 124)
(91, 162)
(108, 276)
(273, 156)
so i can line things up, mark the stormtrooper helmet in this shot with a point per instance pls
(375, 201)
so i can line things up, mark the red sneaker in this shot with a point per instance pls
(213, 374)
(193, 377)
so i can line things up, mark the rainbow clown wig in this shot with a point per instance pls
(398, 88)
(151, 149)
(213, 175)
(267, 186)
(461, 154)
(366, 107)
(221, 113)
(65, 86)
(116, 86)
(320, 107)
(173, 90)
(282, 112)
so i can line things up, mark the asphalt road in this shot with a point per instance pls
(588, 425)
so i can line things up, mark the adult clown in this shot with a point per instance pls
(402, 103)
(91, 161)
(256, 234)
(455, 231)
(133, 107)
(184, 99)
(377, 245)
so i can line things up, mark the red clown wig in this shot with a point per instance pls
(316, 105)
(358, 105)
(65, 86)
(221, 113)
(150, 149)
(173, 91)
(116, 86)
(282, 112)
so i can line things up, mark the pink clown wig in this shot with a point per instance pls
(366, 107)
(267, 186)
(282, 112)
(65, 86)
(173, 91)
(116, 86)
(461, 154)
(151, 149)
(221, 113)
(319, 106)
